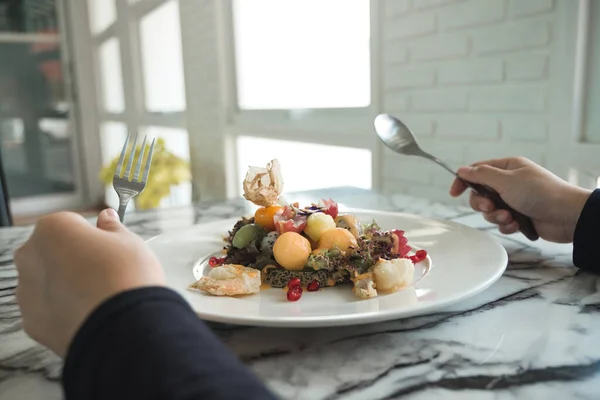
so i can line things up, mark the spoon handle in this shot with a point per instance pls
(525, 223)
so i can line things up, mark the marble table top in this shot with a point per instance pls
(532, 335)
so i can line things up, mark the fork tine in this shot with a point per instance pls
(127, 174)
(122, 156)
(138, 165)
(148, 162)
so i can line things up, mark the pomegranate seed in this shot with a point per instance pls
(313, 286)
(294, 282)
(414, 259)
(294, 293)
(421, 255)
(214, 261)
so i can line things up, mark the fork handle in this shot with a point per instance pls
(122, 208)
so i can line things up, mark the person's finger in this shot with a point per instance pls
(500, 163)
(457, 188)
(108, 220)
(480, 203)
(486, 175)
(506, 163)
(509, 229)
(499, 217)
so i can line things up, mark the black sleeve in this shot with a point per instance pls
(586, 240)
(149, 344)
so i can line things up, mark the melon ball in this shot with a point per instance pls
(317, 224)
(291, 250)
(339, 238)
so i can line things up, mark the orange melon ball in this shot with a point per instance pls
(264, 217)
(291, 250)
(338, 237)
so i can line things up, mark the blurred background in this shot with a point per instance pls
(231, 83)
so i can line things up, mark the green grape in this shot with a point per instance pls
(248, 234)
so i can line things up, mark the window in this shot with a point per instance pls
(283, 71)
(29, 16)
(112, 137)
(302, 69)
(307, 166)
(111, 77)
(176, 142)
(102, 14)
(293, 54)
(162, 66)
(35, 124)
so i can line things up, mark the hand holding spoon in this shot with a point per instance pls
(395, 135)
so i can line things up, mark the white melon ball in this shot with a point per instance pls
(317, 224)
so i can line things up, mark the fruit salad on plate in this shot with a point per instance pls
(285, 245)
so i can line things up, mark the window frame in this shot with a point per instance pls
(125, 28)
(329, 126)
(222, 122)
(580, 164)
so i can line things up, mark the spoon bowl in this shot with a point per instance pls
(394, 133)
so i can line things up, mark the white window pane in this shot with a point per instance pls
(102, 14)
(111, 78)
(307, 166)
(160, 36)
(176, 142)
(112, 137)
(302, 53)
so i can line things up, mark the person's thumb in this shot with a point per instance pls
(496, 178)
(108, 220)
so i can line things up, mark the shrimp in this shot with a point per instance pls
(229, 280)
(364, 287)
(393, 275)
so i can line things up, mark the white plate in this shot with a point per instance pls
(464, 261)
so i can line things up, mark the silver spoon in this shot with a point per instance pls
(395, 135)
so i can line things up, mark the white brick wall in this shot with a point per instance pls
(471, 78)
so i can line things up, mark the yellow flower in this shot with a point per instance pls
(167, 170)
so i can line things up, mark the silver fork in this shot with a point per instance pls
(128, 187)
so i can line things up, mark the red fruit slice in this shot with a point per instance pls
(330, 207)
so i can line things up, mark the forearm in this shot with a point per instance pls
(148, 343)
(586, 241)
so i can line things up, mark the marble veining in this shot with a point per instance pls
(531, 335)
